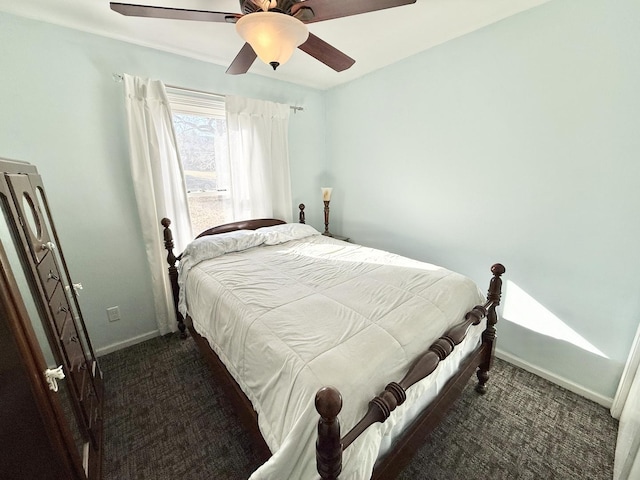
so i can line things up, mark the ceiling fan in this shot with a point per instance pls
(272, 29)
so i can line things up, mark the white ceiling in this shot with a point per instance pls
(373, 39)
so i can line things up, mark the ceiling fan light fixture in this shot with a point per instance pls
(272, 35)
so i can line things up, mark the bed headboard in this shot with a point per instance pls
(249, 224)
(241, 225)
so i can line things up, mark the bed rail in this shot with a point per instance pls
(328, 401)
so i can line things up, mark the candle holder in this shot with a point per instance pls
(326, 198)
(326, 219)
(301, 215)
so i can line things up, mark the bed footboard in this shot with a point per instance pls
(330, 445)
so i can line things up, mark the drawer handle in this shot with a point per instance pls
(76, 287)
(52, 376)
(62, 308)
(52, 276)
(74, 339)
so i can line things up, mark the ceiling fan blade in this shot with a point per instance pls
(327, 54)
(131, 10)
(243, 61)
(328, 9)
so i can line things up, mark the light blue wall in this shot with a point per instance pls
(61, 110)
(518, 143)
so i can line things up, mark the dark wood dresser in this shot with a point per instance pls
(50, 427)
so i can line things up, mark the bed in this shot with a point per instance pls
(304, 331)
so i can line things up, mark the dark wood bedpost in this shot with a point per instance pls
(173, 274)
(328, 445)
(489, 335)
(395, 393)
(301, 217)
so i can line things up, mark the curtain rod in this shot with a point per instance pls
(117, 77)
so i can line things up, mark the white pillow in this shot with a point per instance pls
(212, 246)
(286, 232)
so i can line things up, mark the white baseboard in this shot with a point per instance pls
(552, 377)
(127, 343)
(631, 368)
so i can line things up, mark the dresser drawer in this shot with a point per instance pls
(96, 375)
(77, 365)
(59, 307)
(69, 338)
(49, 275)
(89, 401)
(92, 409)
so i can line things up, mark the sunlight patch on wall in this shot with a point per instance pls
(522, 309)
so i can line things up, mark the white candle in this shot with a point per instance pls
(326, 193)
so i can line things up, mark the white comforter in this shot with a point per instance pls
(289, 311)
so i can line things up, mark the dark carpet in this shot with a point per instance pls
(165, 419)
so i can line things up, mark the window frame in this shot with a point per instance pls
(198, 103)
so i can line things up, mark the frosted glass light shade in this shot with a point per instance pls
(326, 193)
(273, 36)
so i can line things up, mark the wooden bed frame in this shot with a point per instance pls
(330, 444)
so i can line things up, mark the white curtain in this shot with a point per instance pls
(159, 184)
(259, 158)
(627, 406)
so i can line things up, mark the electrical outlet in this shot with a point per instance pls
(113, 314)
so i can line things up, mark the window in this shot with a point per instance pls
(201, 134)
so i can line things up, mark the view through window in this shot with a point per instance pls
(201, 133)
